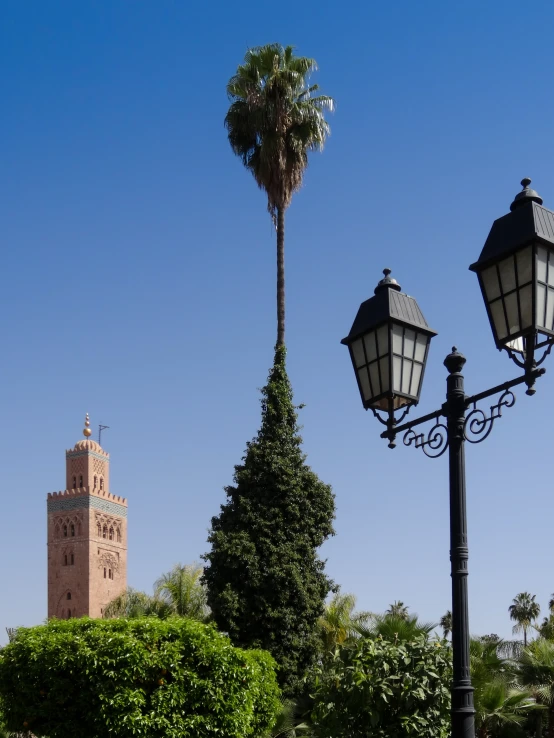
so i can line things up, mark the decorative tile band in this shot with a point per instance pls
(98, 503)
(74, 454)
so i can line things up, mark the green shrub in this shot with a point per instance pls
(146, 677)
(381, 689)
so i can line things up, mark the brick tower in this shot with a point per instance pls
(87, 536)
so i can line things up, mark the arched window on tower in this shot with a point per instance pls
(119, 535)
(99, 530)
(65, 531)
(74, 482)
(72, 559)
(69, 595)
(104, 572)
(81, 480)
(105, 531)
(68, 614)
(72, 529)
(110, 574)
(101, 483)
(111, 534)
(95, 482)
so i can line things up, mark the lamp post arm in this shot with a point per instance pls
(477, 423)
(535, 373)
(394, 430)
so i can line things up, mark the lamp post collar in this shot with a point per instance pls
(526, 195)
(388, 282)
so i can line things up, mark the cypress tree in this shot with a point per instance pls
(266, 584)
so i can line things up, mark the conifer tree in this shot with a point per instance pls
(266, 583)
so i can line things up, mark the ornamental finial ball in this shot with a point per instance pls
(87, 431)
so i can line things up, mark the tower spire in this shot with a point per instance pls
(87, 431)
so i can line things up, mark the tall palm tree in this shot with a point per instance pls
(183, 592)
(446, 623)
(524, 610)
(399, 609)
(273, 121)
(340, 622)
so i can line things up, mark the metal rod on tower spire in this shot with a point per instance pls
(100, 429)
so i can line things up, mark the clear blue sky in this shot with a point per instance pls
(138, 277)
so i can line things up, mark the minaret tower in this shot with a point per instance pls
(87, 536)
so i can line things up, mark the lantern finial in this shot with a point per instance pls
(387, 282)
(526, 195)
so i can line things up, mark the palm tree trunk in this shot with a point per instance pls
(524, 637)
(280, 276)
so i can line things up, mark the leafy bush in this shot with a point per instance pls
(376, 688)
(146, 677)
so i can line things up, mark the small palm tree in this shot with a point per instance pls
(340, 622)
(499, 707)
(135, 604)
(289, 724)
(395, 627)
(499, 703)
(536, 672)
(446, 623)
(524, 610)
(182, 591)
(273, 122)
(398, 609)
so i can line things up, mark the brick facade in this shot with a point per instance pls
(87, 536)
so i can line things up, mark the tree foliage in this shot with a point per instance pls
(266, 583)
(524, 610)
(376, 688)
(128, 678)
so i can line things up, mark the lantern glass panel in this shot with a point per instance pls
(508, 290)
(370, 346)
(358, 353)
(526, 306)
(491, 283)
(370, 357)
(416, 378)
(545, 290)
(507, 273)
(408, 357)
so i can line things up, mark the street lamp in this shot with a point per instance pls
(516, 275)
(389, 342)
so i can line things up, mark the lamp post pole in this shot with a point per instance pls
(462, 691)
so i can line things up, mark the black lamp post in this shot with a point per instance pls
(389, 342)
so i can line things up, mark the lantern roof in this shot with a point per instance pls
(527, 221)
(388, 304)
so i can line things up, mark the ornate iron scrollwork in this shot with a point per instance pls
(477, 425)
(433, 445)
